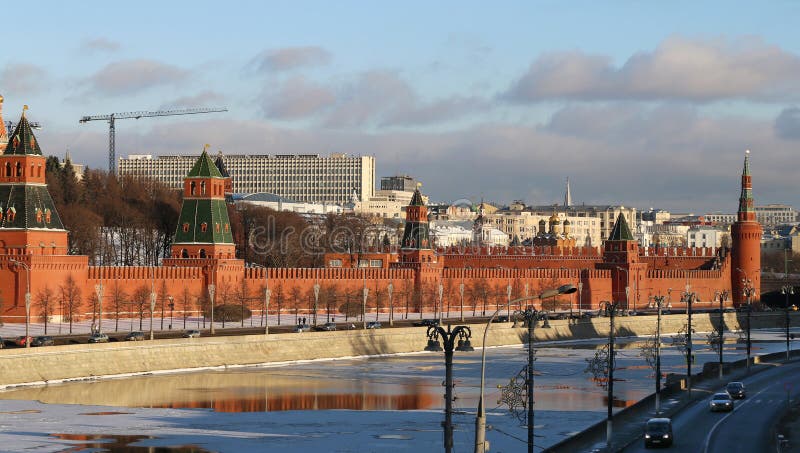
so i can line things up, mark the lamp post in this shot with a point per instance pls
(267, 294)
(530, 317)
(27, 299)
(316, 302)
(508, 294)
(99, 290)
(441, 306)
(689, 298)
(580, 296)
(364, 305)
(787, 290)
(723, 296)
(152, 311)
(461, 291)
(389, 290)
(212, 288)
(611, 308)
(171, 310)
(747, 291)
(659, 302)
(463, 334)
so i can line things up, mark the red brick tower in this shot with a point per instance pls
(621, 256)
(416, 252)
(746, 235)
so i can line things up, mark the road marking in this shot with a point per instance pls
(736, 408)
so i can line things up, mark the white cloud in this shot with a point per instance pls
(132, 76)
(99, 45)
(22, 79)
(680, 68)
(289, 58)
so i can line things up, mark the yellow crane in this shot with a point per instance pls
(112, 117)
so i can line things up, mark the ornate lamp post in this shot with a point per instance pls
(611, 308)
(689, 297)
(529, 315)
(267, 294)
(449, 337)
(212, 288)
(461, 291)
(152, 310)
(441, 306)
(99, 290)
(658, 302)
(787, 290)
(27, 299)
(389, 290)
(364, 305)
(723, 296)
(316, 302)
(171, 310)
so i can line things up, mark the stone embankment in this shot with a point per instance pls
(37, 366)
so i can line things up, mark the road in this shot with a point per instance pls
(747, 428)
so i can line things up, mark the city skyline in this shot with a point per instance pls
(474, 101)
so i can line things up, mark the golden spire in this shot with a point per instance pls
(205, 147)
(24, 108)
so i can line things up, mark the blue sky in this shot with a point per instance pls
(639, 103)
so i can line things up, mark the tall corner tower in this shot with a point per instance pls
(204, 230)
(746, 235)
(29, 223)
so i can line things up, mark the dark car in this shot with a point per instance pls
(98, 338)
(658, 433)
(501, 318)
(43, 341)
(327, 327)
(373, 325)
(736, 390)
(302, 328)
(721, 402)
(426, 323)
(135, 336)
(191, 333)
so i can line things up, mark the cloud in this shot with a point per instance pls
(204, 99)
(133, 76)
(787, 124)
(378, 98)
(99, 45)
(296, 97)
(680, 68)
(289, 58)
(23, 78)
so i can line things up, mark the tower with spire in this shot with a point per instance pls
(416, 250)
(621, 256)
(746, 236)
(204, 230)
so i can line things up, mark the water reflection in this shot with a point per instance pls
(119, 443)
(246, 391)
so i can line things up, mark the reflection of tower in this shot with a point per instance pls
(746, 235)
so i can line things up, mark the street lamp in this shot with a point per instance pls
(316, 302)
(463, 334)
(747, 291)
(99, 289)
(171, 310)
(610, 308)
(658, 302)
(152, 310)
(390, 290)
(530, 317)
(723, 296)
(689, 297)
(267, 294)
(787, 290)
(212, 288)
(27, 299)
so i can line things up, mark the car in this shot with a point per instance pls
(373, 325)
(135, 336)
(327, 327)
(721, 402)
(501, 318)
(22, 340)
(191, 333)
(302, 328)
(98, 338)
(43, 340)
(736, 390)
(426, 323)
(658, 432)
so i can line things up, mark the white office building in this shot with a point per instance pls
(307, 178)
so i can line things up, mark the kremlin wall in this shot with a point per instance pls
(33, 244)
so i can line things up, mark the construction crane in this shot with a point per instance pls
(112, 117)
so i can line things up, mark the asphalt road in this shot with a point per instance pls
(747, 428)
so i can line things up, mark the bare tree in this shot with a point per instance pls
(71, 296)
(141, 302)
(296, 294)
(118, 301)
(243, 297)
(45, 303)
(186, 303)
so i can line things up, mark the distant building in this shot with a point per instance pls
(309, 178)
(278, 203)
(391, 200)
(775, 214)
(402, 183)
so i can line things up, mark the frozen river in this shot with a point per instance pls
(382, 404)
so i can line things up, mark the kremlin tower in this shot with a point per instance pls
(746, 235)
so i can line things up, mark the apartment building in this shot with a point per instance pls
(310, 178)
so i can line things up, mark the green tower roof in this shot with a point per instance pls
(22, 141)
(204, 168)
(621, 231)
(416, 199)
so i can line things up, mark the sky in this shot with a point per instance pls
(644, 104)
